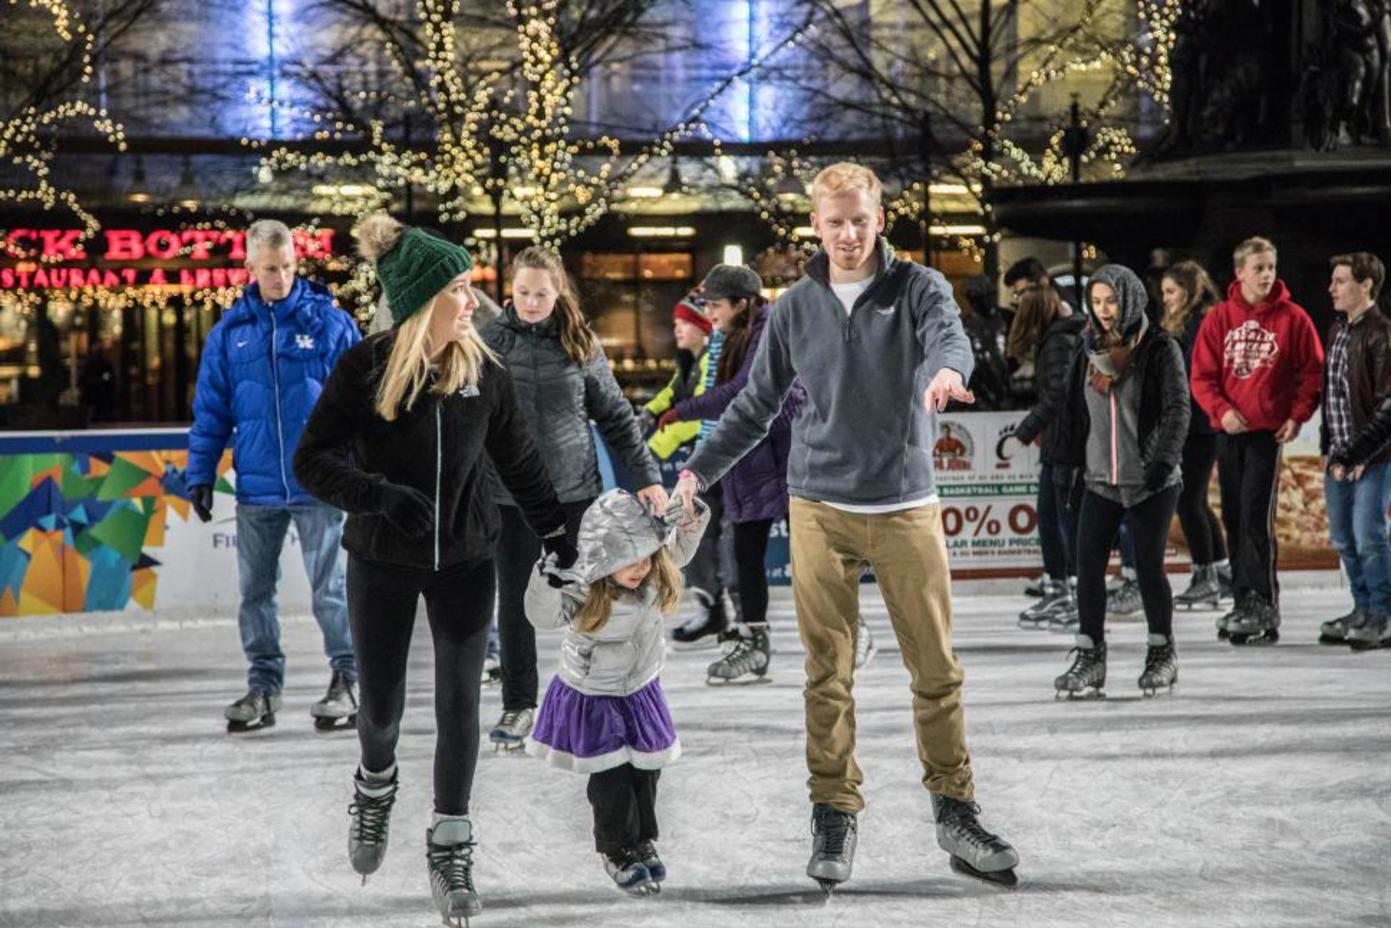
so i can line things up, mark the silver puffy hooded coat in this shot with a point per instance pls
(628, 651)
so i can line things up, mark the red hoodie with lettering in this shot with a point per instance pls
(1264, 361)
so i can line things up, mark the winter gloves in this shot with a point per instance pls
(1157, 474)
(559, 544)
(201, 498)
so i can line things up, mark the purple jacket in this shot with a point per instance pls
(756, 487)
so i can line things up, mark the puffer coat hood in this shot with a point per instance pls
(617, 530)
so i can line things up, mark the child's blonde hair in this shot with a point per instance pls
(1254, 245)
(844, 177)
(595, 612)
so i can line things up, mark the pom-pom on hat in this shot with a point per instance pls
(412, 264)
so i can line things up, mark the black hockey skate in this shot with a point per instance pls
(371, 822)
(834, 835)
(1243, 604)
(630, 874)
(706, 626)
(254, 711)
(746, 663)
(1057, 595)
(1087, 675)
(1260, 624)
(1335, 631)
(449, 853)
(1161, 667)
(974, 851)
(338, 709)
(646, 851)
(1204, 590)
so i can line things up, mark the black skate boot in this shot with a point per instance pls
(338, 709)
(1065, 617)
(509, 734)
(1161, 666)
(1244, 603)
(1204, 590)
(1035, 588)
(747, 661)
(1373, 632)
(1056, 595)
(1260, 624)
(1125, 604)
(1087, 675)
(630, 874)
(834, 834)
(1226, 587)
(371, 822)
(1335, 631)
(974, 851)
(646, 851)
(254, 711)
(705, 627)
(449, 853)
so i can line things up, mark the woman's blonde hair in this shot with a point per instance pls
(1199, 294)
(408, 368)
(575, 335)
(595, 612)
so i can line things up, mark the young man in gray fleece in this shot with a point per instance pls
(878, 344)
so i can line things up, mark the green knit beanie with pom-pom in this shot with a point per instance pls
(412, 264)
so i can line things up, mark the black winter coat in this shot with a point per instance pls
(440, 447)
(1165, 404)
(1373, 441)
(558, 397)
(1053, 361)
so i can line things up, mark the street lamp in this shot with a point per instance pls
(1075, 140)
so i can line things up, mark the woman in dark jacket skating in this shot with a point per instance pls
(400, 439)
(755, 490)
(1042, 311)
(1188, 293)
(563, 381)
(1124, 425)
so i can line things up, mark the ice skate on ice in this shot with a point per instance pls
(705, 627)
(254, 711)
(1335, 631)
(1125, 604)
(1161, 666)
(449, 855)
(746, 662)
(1259, 624)
(974, 851)
(646, 851)
(1203, 591)
(509, 734)
(1057, 595)
(630, 874)
(1371, 633)
(1087, 675)
(338, 709)
(370, 823)
(834, 834)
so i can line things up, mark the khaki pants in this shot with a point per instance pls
(909, 555)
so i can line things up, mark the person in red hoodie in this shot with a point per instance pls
(1257, 373)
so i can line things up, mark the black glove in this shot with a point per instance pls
(411, 511)
(563, 548)
(1157, 474)
(201, 497)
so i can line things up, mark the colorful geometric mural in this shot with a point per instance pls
(81, 528)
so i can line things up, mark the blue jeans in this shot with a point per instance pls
(1357, 526)
(260, 536)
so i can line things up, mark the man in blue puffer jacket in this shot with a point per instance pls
(263, 366)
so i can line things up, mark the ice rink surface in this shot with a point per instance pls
(1258, 794)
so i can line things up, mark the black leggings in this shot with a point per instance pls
(625, 807)
(750, 549)
(518, 549)
(1206, 542)
(381, 607)
(1149, 530)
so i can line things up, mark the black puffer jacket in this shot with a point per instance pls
(558, 398)
(1164, 411)
(441, 447)
(1052, 364)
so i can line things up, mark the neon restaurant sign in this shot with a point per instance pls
(58, 259)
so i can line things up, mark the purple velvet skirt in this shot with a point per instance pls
(587, 734)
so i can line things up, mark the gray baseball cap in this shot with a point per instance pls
(731, 282)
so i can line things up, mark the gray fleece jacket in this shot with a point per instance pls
(863, 437)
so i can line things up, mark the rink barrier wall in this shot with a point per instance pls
(99, 520)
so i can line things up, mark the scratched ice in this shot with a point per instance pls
(1258, 794)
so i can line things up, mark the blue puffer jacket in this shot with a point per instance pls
(262, 369)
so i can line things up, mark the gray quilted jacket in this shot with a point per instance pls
(558, 398)
(626, 653)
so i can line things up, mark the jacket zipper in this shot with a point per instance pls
(439, 459)
(275, 379)
(1115, 463)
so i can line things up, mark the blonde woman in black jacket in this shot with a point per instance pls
(399, 440)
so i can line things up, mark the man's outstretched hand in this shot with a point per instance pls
(945, 387)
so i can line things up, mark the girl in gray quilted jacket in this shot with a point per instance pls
(604, 713)
(563, 381)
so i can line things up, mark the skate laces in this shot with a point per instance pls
(510, 718)
(1157, 656)
(961, 816)
(1085, 659)
(833, 827)
(371, 815)
(452, 865)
